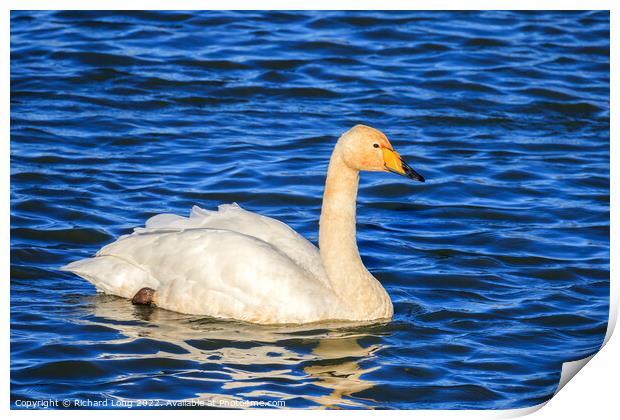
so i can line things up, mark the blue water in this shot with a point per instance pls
(498, 265)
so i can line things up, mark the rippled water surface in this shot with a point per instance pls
(498, 265)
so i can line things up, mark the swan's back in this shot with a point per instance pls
(233, 218)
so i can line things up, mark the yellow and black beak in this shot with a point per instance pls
(394, 163)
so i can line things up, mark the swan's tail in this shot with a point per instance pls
(112, 275)
(117, 276)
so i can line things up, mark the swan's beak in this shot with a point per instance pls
(394, 163)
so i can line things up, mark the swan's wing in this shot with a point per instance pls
(232, 217)
(212, 272)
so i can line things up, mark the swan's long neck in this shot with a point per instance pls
(360, 291)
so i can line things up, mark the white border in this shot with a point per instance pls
(593, 394)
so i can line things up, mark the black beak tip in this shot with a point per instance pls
(411, 174)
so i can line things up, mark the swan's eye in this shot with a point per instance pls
(375, 145)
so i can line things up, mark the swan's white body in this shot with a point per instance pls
(230, 264)
(236, 264)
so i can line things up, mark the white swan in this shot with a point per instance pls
(240, 265)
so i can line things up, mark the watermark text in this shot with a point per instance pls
(146, 403)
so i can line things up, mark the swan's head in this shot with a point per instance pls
(367, 149)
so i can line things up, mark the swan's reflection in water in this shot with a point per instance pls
(322, 363)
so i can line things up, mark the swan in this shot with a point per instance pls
(236, 264)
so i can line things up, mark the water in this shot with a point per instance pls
(498, 265)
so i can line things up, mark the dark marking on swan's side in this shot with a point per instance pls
(144, 296)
